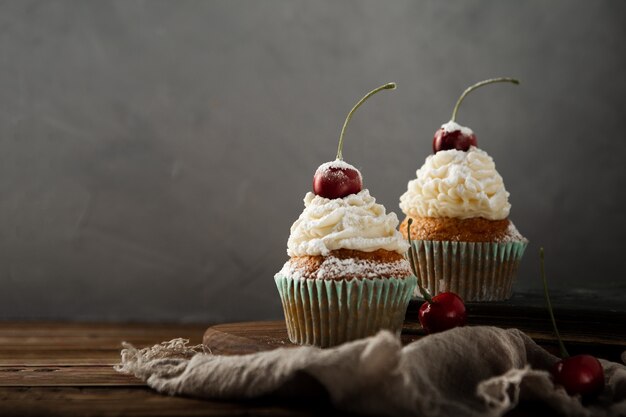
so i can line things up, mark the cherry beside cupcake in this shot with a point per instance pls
(347, 276)
(463, 237)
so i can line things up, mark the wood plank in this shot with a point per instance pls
(139, 402)
(59, 344)
(84, 376)
(76, 354)
(85, 343)
(95, 326)
(56, 357)
(89, 331)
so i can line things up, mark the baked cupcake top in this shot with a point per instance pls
(353, 222)
(458, 184)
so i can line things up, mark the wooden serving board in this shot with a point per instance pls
(602, 334)
(258, 336)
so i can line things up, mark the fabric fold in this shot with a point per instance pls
(470, 371)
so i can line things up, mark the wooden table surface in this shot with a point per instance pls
(66, 369)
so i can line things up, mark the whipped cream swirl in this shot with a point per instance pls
(353, 222)
(457, 184)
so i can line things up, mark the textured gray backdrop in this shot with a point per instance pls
(154, 154)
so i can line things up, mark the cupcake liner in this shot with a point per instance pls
(477, 271)
(330, 312)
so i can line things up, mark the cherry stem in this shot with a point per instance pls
(564, 353)
(478, 85)
(413, 262)
(388, 86)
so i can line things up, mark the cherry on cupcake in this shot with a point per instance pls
(442, 312)
(337, 179)
(580, 374)
(454, 136)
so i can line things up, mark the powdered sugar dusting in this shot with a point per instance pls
(453, 126)
(512, 235)
(335, 165)
(336, 268)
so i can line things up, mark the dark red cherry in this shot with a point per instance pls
(580, 374)
(453, 136)
(441, 312)
(456, 139)
(445, 311)
(337, 181)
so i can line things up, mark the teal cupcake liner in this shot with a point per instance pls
(330, 312)
(477, 271)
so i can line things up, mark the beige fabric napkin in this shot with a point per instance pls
(468, 371)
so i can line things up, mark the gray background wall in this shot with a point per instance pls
(154, 154)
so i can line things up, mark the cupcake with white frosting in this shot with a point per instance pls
(460, 227)
(347, 276)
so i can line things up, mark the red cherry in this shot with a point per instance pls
(337, 180)
(580, 374)
(453, 136)
(443, 312)
(456, 139)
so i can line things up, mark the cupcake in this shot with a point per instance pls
(464, 239)
(347, 277)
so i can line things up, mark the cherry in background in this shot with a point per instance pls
(443, 311)
(454, 136)
(580, 374)
(338, 179)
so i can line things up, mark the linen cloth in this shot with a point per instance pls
(466, 371)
